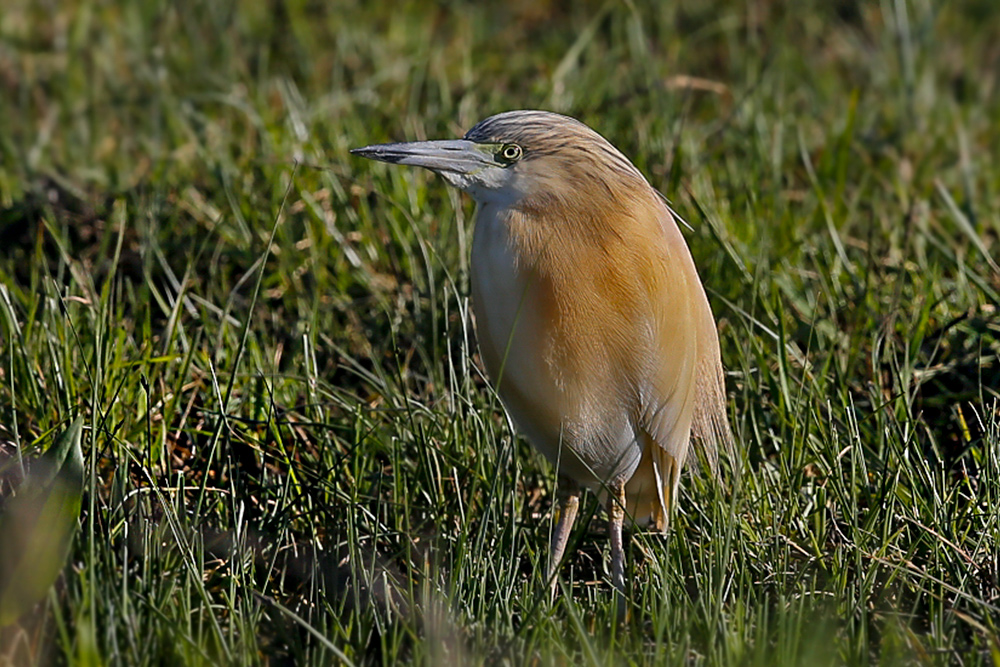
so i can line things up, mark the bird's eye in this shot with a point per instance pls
(510, 153)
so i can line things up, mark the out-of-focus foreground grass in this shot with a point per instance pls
(292, 456)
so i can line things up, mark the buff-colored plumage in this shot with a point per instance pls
(591, 318)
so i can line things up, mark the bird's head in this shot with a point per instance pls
(518, 154)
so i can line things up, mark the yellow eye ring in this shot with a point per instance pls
(511, 152)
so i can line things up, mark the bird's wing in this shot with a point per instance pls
(685, 395)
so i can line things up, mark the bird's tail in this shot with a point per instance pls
(710, 424)
(651, 492)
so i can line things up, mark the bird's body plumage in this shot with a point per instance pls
(591, 318)
(584, 322)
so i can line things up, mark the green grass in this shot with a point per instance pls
(292, 455)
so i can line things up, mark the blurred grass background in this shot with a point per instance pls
(292, 455)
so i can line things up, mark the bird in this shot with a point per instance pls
(592, 322)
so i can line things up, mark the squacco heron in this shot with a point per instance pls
(592, 322)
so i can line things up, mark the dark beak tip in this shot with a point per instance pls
(376, 152)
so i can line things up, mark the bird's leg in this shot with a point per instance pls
(616, 517)
(569, 502)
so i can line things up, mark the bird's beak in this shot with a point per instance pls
(456, 156)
